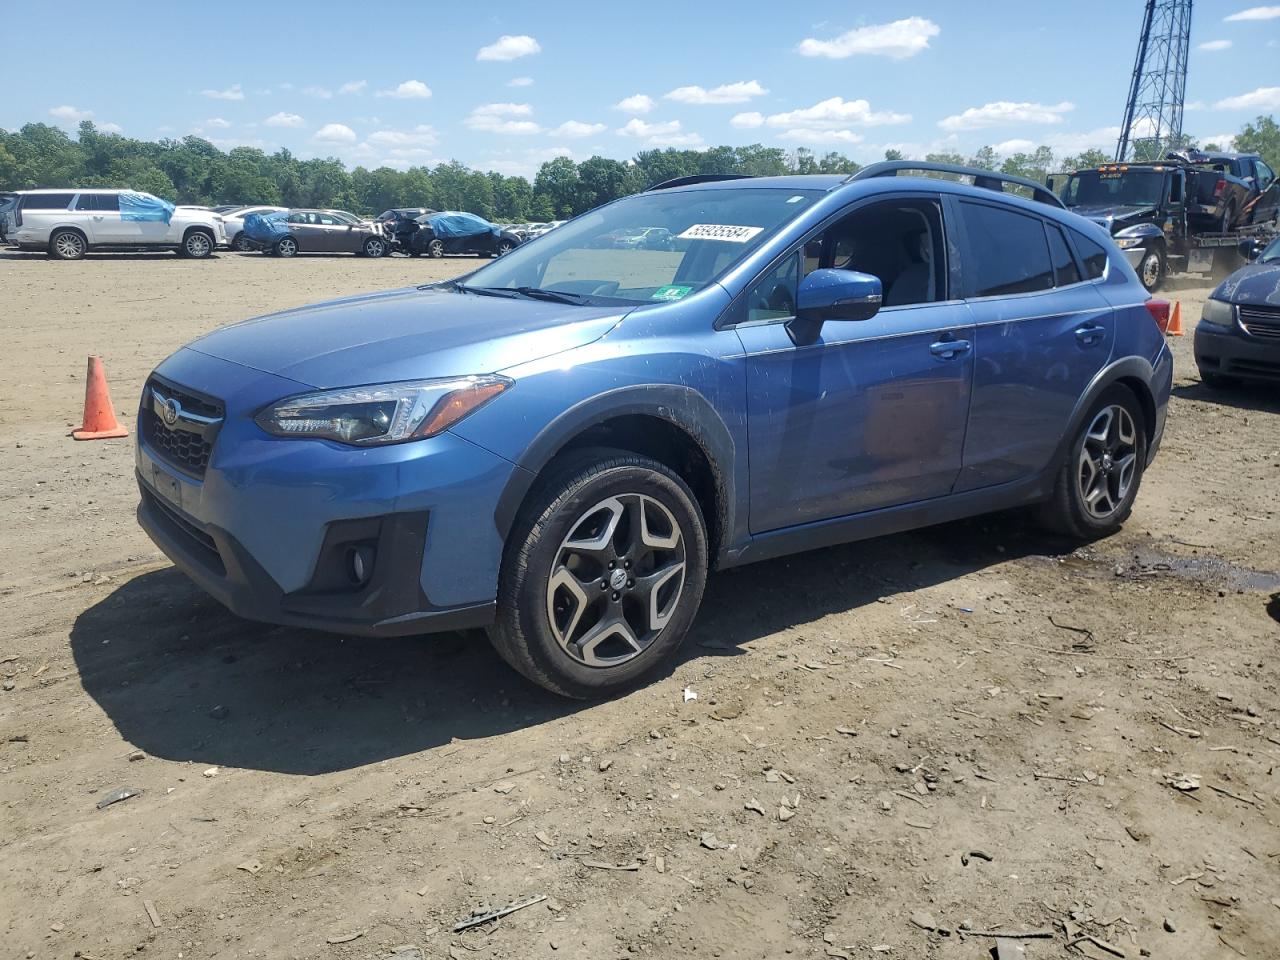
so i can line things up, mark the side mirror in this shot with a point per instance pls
(1250, 249)
(833, 295)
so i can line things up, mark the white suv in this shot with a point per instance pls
(67, 223)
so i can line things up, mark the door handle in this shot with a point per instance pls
(949, 349)
(1089, 335)
(97, 218)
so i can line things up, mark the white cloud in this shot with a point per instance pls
(509, 48)
(1007, 147)
(217, 123)
(808, 135)
(232, 92)
(1211, 45)
(522, 163)
(1196, 105)
(1224, 141)
(353, 86)
(638, 103)
(409, 90)
(739, 92)
(635, 127)
(1255, 13)
(520, 82)
(321, 93)
(899, 40)
(283, 119)
(575, 129)
(70, 114)
(676, 140)
(1100, 138)
(1005, 112)
(498, 118)
(1264, 98)
(110, 128)
(747, 121)
(423, 135)
(335, 133)
(834, 113)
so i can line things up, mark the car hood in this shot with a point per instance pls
(406, 335)
(1109, 216)
(1258, 283)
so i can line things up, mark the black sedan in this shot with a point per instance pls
(1238, 337)
(457, 234)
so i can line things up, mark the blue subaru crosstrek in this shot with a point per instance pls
(562, 444)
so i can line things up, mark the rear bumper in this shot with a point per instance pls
(1229, 352)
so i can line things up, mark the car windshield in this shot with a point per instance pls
(652, 247)
(1272, 252)
(1093, 188)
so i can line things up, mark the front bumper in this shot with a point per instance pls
(1232, 353)
(267, 527)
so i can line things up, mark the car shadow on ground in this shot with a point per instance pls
(185, 680)
(131, 256)
(1243, 395)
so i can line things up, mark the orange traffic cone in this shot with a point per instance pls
(1175, 320)
(99, 416)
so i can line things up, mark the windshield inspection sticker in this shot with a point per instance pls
(670, 292)
(720, 231)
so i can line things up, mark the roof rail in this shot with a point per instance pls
(987, 179)
(698, 178)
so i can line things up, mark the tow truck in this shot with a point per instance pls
(1157, 214)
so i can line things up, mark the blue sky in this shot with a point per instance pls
(505, 86)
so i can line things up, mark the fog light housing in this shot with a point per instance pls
(360, 565)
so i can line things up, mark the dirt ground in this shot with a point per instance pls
(971, 727)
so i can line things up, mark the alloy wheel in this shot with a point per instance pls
(1108, 462)
(1151, 271)
(616, 580)
(69, 246)
(198, 245)
(286, 247)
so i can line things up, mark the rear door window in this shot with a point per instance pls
(1065, 271)
(1093, 254)
(1009, 253)
(47, 201)
(109, 202)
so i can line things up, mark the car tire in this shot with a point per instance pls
(505, 247)
(573, 615)
(1228, 217)
(1151, 270)
(1096, 487)
(374, 247)
(285, 247)
(197, 245)
(241, 243)
(435, 249)
(67, 245)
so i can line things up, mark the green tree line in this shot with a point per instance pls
(193, 170)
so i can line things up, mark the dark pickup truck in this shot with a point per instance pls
(1168, 217)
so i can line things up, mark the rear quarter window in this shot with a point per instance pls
(1093, 254)
(47, 201)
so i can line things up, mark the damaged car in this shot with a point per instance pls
(291, 232)
(454, 233)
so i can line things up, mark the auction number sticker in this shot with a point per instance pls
(720, 231)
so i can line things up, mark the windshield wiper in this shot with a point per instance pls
(531, 293)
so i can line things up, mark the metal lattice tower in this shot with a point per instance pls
(1153, 116)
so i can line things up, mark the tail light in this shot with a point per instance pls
(1159, 310)
(1219, 187)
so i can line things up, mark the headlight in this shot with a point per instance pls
(381, 413)
(1219, 313)
(1127, 243)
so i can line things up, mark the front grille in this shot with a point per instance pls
(1261, 322)
(186, 445)
(1255, 368)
